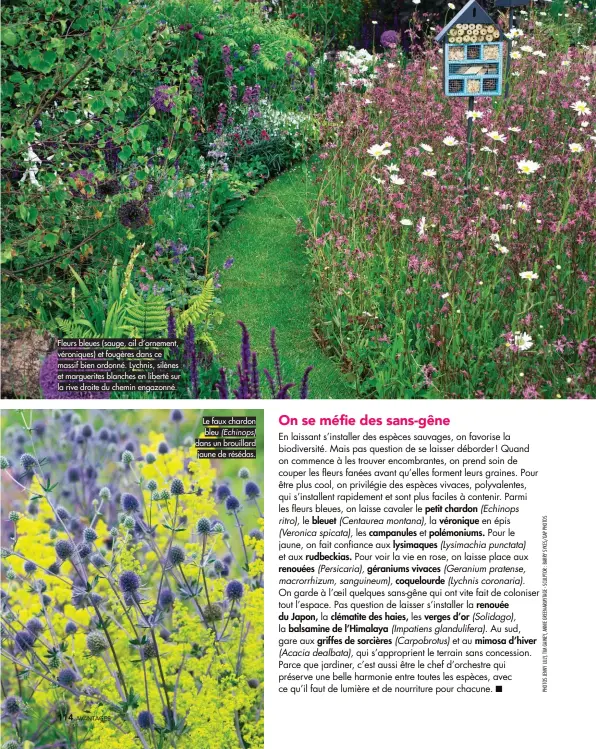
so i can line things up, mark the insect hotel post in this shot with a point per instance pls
(472, 60)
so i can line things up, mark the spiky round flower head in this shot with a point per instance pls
(64, 549)
(127, 457)
(90, 535)
(87, 431)
(70, 628)
(10, 574)
(24, 640)
(213, 612)
(12, 706)
(232, 504)
(256, 534)
(4, 462)
(222, 492)
(155, 496)
(27, 461)
(114, 532)
(97, 560)
(165, 494)
(128, 522)
(46, 600)
(129, 503)
(203, 527)
(253, 683)
(62, 513)
(177, 416)
(133, 214)
(96, 642)
(108, 188)
(30, 567)
(105, 494)
(152, 485)
(83, 550)
(11, 744)
(129, 582)
(252, 490)
(34, 626)
(41, 586)
(53, 534)
(66, 677)
(14, 516)
(62, 709)
(244, 473)
(234, 590)
(176, 555)
(217, 527)
(218, 565)
(166, 598)
(54, 568)
(163, 448)
(73, 475)
(149, 650)
(104, 434)
(177, 487)
(150, 458)
(145, 720)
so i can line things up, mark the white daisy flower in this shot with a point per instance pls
(528, 275)
(523, 341)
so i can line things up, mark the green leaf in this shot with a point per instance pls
(9, 37)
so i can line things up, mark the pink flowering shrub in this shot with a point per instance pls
(424, 291)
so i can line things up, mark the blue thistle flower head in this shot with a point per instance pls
(218, 565)
(145, 720)
(129, 582)
(177, 487)
(30, 567)
(27, 461)
(97, 560)
(73, 475)
(127, 457)
(34, 626)
(150, 458)
(66, 677)
(163, 448)
(83, 550)
(96, 642)
(105, 494)
(166, 598)
(4, 462)
(24, 640)
(152, 485)
(54, 568)
(234, 590)
(70, 628)
(90, 535)
(177, 416)
(176, 555)
(232, 504)
(244, 473)
(252, 490)
(64, 549)
(87, 431)
(256, 534)
(203, 527)
(222, 492)
(253, 683)
(129, 503)
(39, 428)
(12, 706)
(62, 513)
(104, 435)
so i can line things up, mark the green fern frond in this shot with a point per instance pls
(197, 310)
(147, 317)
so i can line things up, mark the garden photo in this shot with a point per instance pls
(132, 583)
(325, 199)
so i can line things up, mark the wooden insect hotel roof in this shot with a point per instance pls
(472, 12)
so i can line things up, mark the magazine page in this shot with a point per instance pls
(324, 263)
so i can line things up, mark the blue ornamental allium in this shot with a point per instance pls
(30, 567)
(145, 720)
(96, 642)
(203, 527)
(222, 492)
(27, 461)
(232, 504)
(70, 628)
(97, 560)
(24, 640)
(244, 473)
(150, 458)
(177, 487)
(166, 598)
(90, 535)
(163, 98)
(127, 457)
(151, 485)
(34, 626)
(66, 677)
(389, 39)
(177, 416)
(134, 214)
(176, 555)
(129, 582)
(129, 503)
(163, 448)
(252, 490)
(234, 590)
(64, 549)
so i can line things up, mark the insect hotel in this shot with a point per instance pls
(473, 53)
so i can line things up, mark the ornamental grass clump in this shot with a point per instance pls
(425, 288)
(131, 599)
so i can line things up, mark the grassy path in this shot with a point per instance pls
(268, 285)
